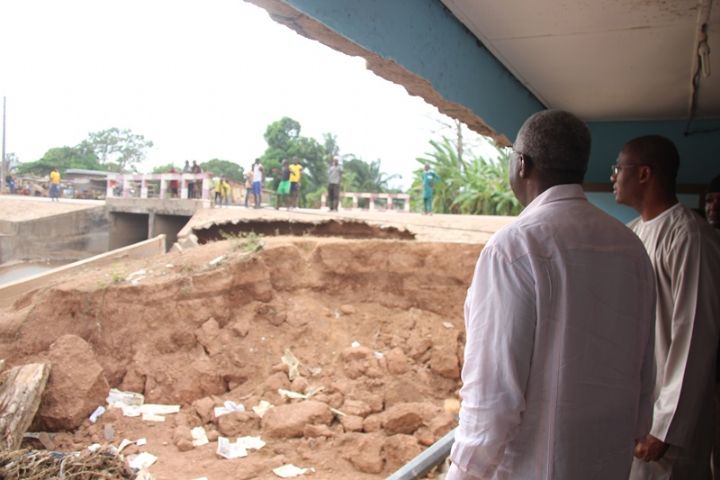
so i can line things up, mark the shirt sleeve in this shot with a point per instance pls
(691, 354)
(500, 320)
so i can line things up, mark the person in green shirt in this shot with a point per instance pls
(430, 178)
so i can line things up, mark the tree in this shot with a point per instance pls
(165, 168)
(471, 185)
(63, 158)
(224, 168)
(365, 177)
(119, 149)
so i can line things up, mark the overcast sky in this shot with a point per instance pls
(201, 79)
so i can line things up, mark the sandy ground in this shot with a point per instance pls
(211, 324)
(19, 208)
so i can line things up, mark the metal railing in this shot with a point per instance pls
(421, 465)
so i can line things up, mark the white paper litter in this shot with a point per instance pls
(141, 461)
(292, 362)
(97, 414)
(94, 447)
(250, 443)
(151, 417)
(378, 355)
(118, 398)
(123, 444)
(447, 324)
(261, 408)
(138, 273)
(230, 450)
(141, 441)
(158, 409)
(144, 475)
(216, 260)
(289, 471)
(355, 344)
(199, 437)
(228, 407)
(291, 394)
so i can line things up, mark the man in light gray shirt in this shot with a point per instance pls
(334, 178)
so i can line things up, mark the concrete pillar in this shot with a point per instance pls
(169, 225)
(126, 186)
(354, 201)
(184, 187)
(143, 187)
(323, 201)
(163, 186)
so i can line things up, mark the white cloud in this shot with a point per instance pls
(200, 79)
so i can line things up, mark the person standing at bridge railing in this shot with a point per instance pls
(258, 176)
(334, 179)
(54, 185)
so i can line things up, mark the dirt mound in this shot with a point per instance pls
(376, 327)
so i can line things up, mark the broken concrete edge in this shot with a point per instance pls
(390, 70)
(11, 291)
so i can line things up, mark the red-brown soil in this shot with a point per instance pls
(197, 334)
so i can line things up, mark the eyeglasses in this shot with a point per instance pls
(615, 169)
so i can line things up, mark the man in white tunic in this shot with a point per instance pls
(685, 254)
(558, 371)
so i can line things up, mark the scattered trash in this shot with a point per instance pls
(141, 441)
(230, 450)
(447, 324)
(251, 443)
(199, 437)
(292, 362)
(144, 475)
(125, 443)
(261, 408)
(118, 399)
(228, 407)
(94, 447)
(315, 371)
(108, 432)
(337, 412)
(151, 417)
(138, 273)
(141, 461)
(291, 394)
(42, 437)
(158, 409)
(97, 414)
(169, 265)
(355, 344)
(289, 471)
(378, 355)
(216, 261)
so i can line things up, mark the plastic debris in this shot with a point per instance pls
(158, 409)
(230, 450)
(141, 461)
(292, 362)
(289, 471)
(125, 443)
(144, 475)
(199, 437)
(250, 443)
(97, 414)
(291, 394)
(94, 447)
(355, 344)
(118, 398)
(216, 260)
(261, 408)
(151, 417)
(141, 441)
(378, 355)
(228, 407)
(447, 324)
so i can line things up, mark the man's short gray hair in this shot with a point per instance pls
(555, 141)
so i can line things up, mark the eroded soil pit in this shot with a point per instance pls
(325, 228)
(376, 326)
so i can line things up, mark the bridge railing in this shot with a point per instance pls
(125, 185)
(389, 199)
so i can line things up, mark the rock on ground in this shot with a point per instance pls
(76, 387)
(287, 421)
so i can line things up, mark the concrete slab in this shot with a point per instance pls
(427, 228)
(19, 208)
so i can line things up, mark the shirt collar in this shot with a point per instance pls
(571, 191)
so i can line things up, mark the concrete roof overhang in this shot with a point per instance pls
(624, 67)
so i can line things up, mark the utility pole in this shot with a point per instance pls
(3, 160)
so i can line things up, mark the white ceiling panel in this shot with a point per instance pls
(603, 59)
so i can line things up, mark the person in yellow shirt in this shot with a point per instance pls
(55, 185)
(296, 169)
(226, 190)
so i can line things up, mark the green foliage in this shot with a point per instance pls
(469, 185)
(361, 176)
(230, 170)
(120, 149)
(247, 242)
(63, 158)
(166, 168)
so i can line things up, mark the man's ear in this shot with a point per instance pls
(644, 173)
(523, 167)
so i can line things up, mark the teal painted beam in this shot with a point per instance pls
(428, 40)
(699, 157)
